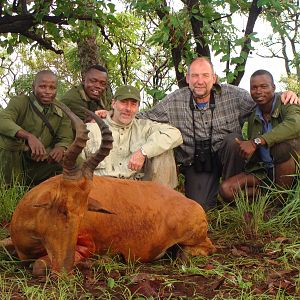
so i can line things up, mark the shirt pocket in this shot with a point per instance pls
(133, 147)
(226, 125)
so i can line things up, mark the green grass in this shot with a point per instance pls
(9, 197)
(258, 257)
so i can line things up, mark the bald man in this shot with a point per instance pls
(33, 134)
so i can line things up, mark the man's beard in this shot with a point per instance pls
(202, 95)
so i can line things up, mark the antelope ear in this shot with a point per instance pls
(44, 205)
(95, 206)
(42, 199)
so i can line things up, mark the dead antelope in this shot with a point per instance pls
(66, 218)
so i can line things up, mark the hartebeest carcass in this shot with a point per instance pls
(61, 221)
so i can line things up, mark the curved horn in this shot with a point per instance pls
(90, 165)
(70, 168)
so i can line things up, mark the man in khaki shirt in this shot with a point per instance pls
(142, 149)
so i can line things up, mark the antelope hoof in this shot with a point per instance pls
(40, 267)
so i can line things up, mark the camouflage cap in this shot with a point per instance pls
(127, 92)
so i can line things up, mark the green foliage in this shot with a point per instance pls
(124, 61)
(23, 84)
(216, 30)
(284, 18)
(136, 45)
(65, 67)
(52, 21)
(292, 83)
(156, 94)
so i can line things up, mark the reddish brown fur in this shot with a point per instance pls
(47, 219)
(61, 221)
(147, 219)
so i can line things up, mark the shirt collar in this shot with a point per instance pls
(258, 111)
(216, 89)
(40, 106)
(36, 102)
(82, 93)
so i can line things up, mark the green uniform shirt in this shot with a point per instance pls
(285, 120)
(19, 114)
(76, 98)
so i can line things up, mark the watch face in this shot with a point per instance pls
(257, 141)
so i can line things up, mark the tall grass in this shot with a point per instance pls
(9, 198)
(254, 217)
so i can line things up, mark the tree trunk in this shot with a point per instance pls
(88, 54)
(254, 12)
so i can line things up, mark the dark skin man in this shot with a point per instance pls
(44, 88)
(262, 89)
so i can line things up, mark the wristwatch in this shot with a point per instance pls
(143, 152)
(257, 142)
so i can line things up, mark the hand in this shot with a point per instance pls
(247, 148)
(38, 151)
(102, 113)
(56, 155)
(289, 97)
(136, 161)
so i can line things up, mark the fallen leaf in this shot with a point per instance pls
(144, 288)
(217, 283)
(279, 274)
(140, 277)
(209, 267)
(282, 239)
(237, 252)
(283, 284)
(245, 248)
(273, 262)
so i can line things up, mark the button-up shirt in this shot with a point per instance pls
(264, 152)
(155, 138)
(232, 106)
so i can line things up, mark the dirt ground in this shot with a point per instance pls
(231, 271)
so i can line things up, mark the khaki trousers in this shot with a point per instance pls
(162, 169)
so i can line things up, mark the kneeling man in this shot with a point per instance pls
(34, 133)
(142, 149)
(274, 141)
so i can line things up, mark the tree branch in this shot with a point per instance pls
(25, 25)
(202, 48)
(42, 41)
(176, 48)
(23, 4)
(254, 12)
